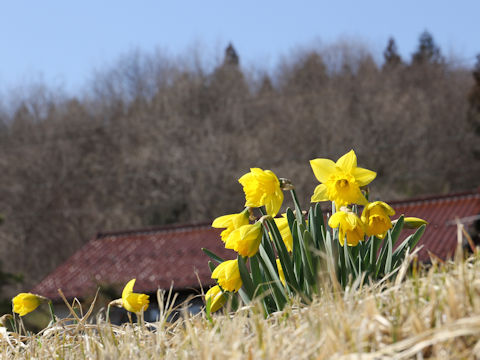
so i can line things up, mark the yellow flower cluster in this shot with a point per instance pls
(341, 182)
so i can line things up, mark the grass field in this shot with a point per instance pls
(431, 313)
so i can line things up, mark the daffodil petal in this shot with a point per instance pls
(348, 161)
(128, 289)
(388, 209)
(362, 200)
(323, 168)
(223, 221)
(273, 203)
(363, 176)
(320, 194)
(334, 220)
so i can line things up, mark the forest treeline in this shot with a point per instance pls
(159, 140)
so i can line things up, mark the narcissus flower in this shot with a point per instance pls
(228, 275)
(281, 275)
(134, 302)
(341, 181)
(25, 303)
(349, 225)
(230, 222)
(282, 224)
(246, 239)
(376, 218)
(217, 298)
(262, 187)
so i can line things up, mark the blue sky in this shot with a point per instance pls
(62, 42)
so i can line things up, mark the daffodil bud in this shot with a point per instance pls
(413, 222)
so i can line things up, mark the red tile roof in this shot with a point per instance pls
(155, 257)
(440, 237)
(158, 256)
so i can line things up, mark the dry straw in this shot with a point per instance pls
(434, 313)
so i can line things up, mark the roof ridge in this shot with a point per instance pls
(474, 193)
(151, 229)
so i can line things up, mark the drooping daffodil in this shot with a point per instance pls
(376, 218)
(341, 181)
(262, 188)
(350, 226)
(228, 275)
(246, 239)
(216, 297)
(230, 223)
(25, 303)
(134, 302)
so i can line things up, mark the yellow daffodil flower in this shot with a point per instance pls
(246, 239)
(218, 299)
(25, 303)
(282, 225)
(281, 275)
(341, 181)
(134, 302)
(414, 222)
(376, 218)
(349, 225)
(262, 187)
(228, 275)
(230, 222)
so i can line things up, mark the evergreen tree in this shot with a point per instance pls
(391, 56)
(427, 51)
(231, 56)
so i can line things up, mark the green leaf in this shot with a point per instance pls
(297, 254)
(246, 279)
(410, 242)
(397, 229)
(256, 275)
(308, 241)
(388, 262)
(298, 209)
(208, 306)
(283, 255)
(211, 266)
(213, 255)
(274, 282)
(267, 245)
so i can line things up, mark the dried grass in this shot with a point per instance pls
(431, 314)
